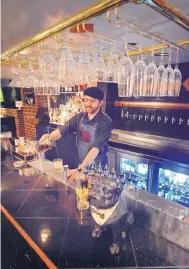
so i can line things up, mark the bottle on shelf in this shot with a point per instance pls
(113, 173)
(106, 172)
(122, 178)
(99, 169)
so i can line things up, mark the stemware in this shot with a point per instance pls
(126, 74)
(169, 73)
(139, 77)
(66, 66)
(84, 65)
(161, 69)
(151, 77)
(17, 80)
(175, 79)
(47, 65)
(29, 79)
(99, 65)
(111, 67)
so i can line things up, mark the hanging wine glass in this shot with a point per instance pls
(161, 69)
(139, 77)
(92, 74)
(29, 80)
(111, 67)
(151, 76)
(47, 65)
(66, 66)
(17, 80)
(169, 72)
(176, 78)
(99, 65)
(165, 80)
(77, 68)
(126, 74)
(84, 65)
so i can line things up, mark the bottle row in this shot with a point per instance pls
(62, 114)
(75, 88)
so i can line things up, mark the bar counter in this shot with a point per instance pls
(41, 201)
(170, 148)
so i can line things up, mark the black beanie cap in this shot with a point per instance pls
(95, 93)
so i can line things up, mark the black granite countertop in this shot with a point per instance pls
(39, 202)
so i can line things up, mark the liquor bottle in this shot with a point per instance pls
(103, 174)
(128, 166)
(166, 191)
(93, 166)
(144, 185)
(106, 173)
(139, 185)
(160, 192)
(85, 171)
(78, 178)
(122, 178)
(113, 173)
(130, 177)
(87, 167)
(62, 89)
(132, 166)
(99, 170)
(122, 111)
(135, 180)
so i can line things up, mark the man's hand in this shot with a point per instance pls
(44, 137)
(72, 174)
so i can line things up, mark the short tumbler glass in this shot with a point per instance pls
(58, 165)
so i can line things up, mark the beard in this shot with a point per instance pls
(91, 110)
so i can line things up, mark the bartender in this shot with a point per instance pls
(93, 130)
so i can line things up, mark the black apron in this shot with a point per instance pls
(85, 139)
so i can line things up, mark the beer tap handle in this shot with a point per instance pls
(146, 117)
(166, 119)
(134, 116)
(173, 119)
(122, 112)
(181, 121)
(152, 118)
(158, 118)
(127, 114)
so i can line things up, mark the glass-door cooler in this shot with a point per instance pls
(173, 182)
(136, 168)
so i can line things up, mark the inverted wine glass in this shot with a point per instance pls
(151, 77)
(175, 79)
(126, 74)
